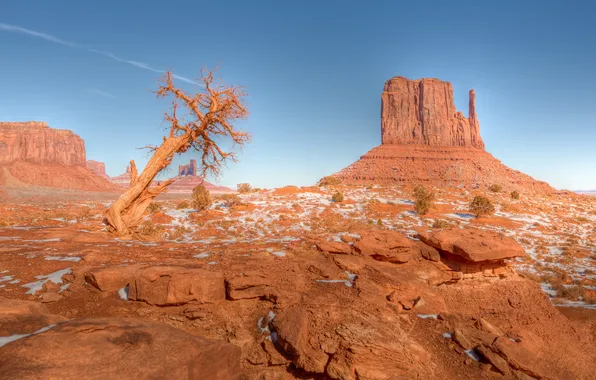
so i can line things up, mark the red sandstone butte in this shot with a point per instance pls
(33, 154)
(423, 112)
(98, 168)
(425, 140)
(35, 141)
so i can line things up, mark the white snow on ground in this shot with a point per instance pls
(55, 277)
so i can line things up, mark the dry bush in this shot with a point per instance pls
(182, 205)
(149, 231)
(330, 181)
(424, 200)
(201, 199)
(176, 233)
(440, 223)
(153, 207)
(481, 206)
(337, 197)
(495, 188)
(244, 188)
(231, 200)
(515, 195)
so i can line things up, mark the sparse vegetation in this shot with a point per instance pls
(182, 205)
(495, 188)
(330, 181)
(201, 199)
(481, 206)
(424, 199)
(153, 207)
(150, 231)
(231, 200)
(337, 197)
(380, 223)
(515, 195)
(440, 223)
(244, 188)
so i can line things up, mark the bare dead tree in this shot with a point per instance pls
(209, 114)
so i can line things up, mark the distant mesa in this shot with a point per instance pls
(187, 180)
(425, 140)
(98, 168)
(34, 155)
(188, 169)
(184, 182)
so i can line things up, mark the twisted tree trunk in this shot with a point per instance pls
(211, 111)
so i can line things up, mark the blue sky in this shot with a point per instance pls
(313, 71)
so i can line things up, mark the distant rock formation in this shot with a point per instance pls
(122, 180)
(422, 112)
(188, 169)
(98, 168)
(426, 141)
(36, 142)
(34, 155)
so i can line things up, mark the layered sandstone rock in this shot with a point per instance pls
(118, 348)
(98, 168)
(36, 142)
(425, 140)
(188, 169)
(423, 112)
(35, 155)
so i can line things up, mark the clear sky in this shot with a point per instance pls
(314, 73)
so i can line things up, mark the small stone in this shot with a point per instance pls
(50, 297)
(68, 277)
(461, 339)
(50, 287)
(486, 367)
(468, 361)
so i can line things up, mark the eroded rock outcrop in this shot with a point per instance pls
(423, 112)
(118, 348)
(36, 142)
(425, 140)
(32, 154)
(98, 168)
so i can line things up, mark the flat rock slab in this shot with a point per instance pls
(118, 348)
(473, 245)
(171, 285)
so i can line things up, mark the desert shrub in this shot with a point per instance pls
(380, 223)
(150, 231)
(244, 188)
(201, 199)
(424, 199)
(440, 223)
(515, 194)
(153, 207)
(176, 233)
(330, 181)
(182, 205)
(571, 292)
(231, 200)
(84, 213)
(495, 188)
(337, 197)
(481, 206)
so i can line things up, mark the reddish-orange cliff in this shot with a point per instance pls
(425, 140)
(423, 112)
(35, 141)
(98, 168)
(34, 155)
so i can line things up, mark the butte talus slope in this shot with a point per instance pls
(425, 140)
(33, 155)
